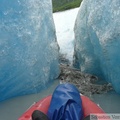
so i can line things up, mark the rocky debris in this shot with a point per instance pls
(84, 82)
(63, 60)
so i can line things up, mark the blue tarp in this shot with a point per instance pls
(66, 103)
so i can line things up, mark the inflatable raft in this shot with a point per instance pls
(89, 107)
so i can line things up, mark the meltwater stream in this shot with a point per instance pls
(12, 109)
(109, 102)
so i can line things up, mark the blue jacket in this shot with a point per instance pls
(66, 103)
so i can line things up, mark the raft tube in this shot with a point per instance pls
(89, 107)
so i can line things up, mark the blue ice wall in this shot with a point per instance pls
(28, 47)
(97, 40)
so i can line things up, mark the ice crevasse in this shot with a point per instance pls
(28, 47)
(97, 40)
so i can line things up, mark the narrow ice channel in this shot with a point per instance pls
(64, 21)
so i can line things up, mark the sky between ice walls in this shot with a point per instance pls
(97, 44)
(28, 47)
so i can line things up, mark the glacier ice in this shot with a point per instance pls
(97, 40)
(28, 47)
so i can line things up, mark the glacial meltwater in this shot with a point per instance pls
(12, 109)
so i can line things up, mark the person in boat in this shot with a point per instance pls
(66, 104)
